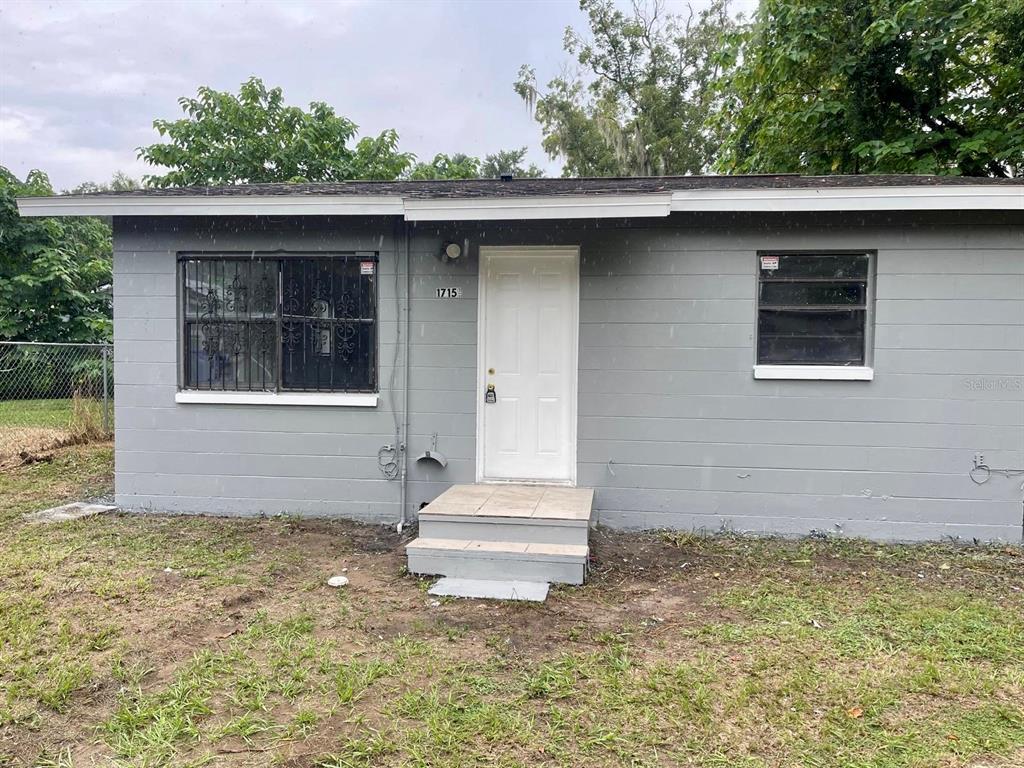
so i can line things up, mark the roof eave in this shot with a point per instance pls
(636, 205)
(602, 206)
(916, 198)
(202, 205)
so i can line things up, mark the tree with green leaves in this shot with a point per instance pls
(255, 137)
(460, 166)
(877, 86)
(642, 102)
(457, 166)
(509, 162)
(121, 182)
(55, 273)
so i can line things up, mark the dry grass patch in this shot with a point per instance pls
(32, 430)
(16, 442)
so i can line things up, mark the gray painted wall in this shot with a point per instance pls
(674, 431)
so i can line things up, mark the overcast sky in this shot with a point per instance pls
(81, 82)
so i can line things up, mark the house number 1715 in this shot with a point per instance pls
(448, 293)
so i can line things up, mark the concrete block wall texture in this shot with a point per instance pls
(673, 430)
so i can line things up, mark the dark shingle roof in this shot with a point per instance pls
(522, 187)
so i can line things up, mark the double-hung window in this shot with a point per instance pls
(279, 323)
(813, 313)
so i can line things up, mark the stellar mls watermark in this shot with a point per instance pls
(994, 384)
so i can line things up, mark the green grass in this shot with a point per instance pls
(190, 641)
(35, 413)
(881, 654)
(46, 656)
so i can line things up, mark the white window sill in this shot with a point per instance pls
(350, 399)
(815, 372)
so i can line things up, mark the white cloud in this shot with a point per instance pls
(24, 16)
(81, 82)
(17, 127)
(27, 136)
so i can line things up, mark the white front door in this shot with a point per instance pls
(529, 300)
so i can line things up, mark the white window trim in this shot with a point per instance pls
(818, 372)
(347, 399)
(815, 372)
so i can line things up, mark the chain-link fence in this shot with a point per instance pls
(40, 382)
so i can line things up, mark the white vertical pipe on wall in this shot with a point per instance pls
(404, 444)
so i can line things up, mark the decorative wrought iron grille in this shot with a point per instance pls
(280, 323)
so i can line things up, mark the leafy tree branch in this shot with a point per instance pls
(55, 273)
(887, 86)
(643, 97)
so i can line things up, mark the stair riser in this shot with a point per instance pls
(497, 569)
(490, 530)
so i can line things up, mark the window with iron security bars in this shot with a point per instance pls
(279, 323)
(813, 308)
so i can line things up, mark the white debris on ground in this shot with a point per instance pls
(74, 511)
(337, 581)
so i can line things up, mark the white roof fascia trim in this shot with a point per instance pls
(924, 198)
(212, 205)
(596, 206)
(658, 204)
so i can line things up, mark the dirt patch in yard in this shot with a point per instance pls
(171, 640)
(166, 608)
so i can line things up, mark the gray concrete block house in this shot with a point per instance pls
(765, 354)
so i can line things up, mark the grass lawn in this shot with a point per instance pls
(35, 413)
(152, 641)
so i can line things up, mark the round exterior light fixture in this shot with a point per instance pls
(452, 251)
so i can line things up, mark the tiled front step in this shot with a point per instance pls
(525, 529)
(523, 561)
(534, 514)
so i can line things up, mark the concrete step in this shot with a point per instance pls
(498, 560)
(487, 589)
(510, 512)
(533, 530)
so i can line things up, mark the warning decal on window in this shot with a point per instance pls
(769, 262)
(366, 267)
